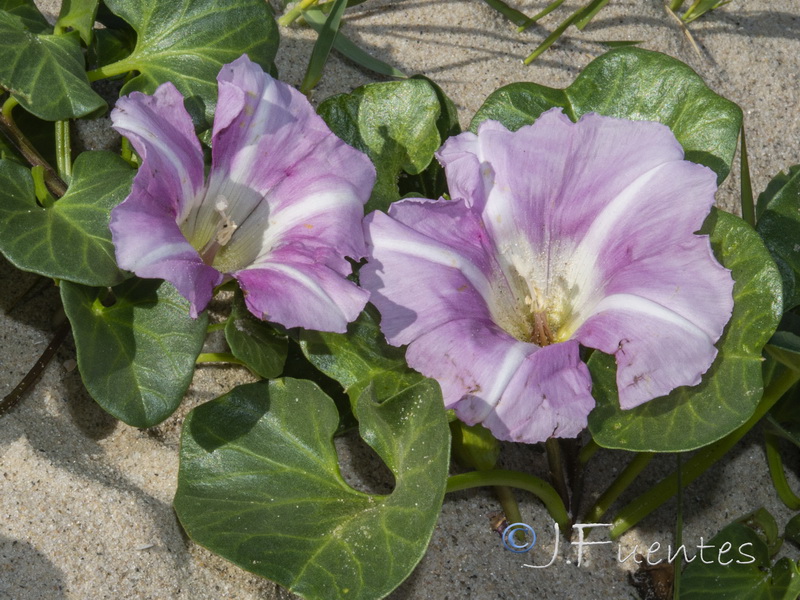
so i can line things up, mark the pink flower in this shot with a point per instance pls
(559, 235)
(279, 211)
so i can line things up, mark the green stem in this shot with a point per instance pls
(216, 326)
(548, 41)
(620, 484)
(497, 477)
(785, 493)
(588, 451)
(675, 5)
(748, 206)
(218, 357)
(118, 68)
(63, 151)
(547, 10)
(512, 14)
(555, 461)
(297, 10)
(43, 195)
(509, 503)
(26, 149)
(700, 462)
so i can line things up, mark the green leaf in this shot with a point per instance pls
(70, 240)
(341, 43)
(396, 124)
(636, 84)
(691, 417)
(26, 15)
(110, 46)
(45, 73)
(255, 342)
(79, 15)
(137, 356)
(779, 226)
(792, 531)
(322, 47)
(188, 41)
(360, 357)
(749, 576)
(784, 347)
(259, 484)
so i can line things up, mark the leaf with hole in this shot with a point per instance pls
(69, 240)
(259, 484)
(691, 417)
(136, 356)
(636, 84)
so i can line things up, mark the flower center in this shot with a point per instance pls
(535, 299)
(221, 236)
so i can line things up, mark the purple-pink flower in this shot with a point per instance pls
(279, 210)
(559, 235)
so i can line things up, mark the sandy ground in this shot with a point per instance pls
(85, 502)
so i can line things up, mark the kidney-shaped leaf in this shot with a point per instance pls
(45, 73)
(259, 484)
(187, 42)
(636, 84)
(691, 417)
(399, 125)
(137, 356)
(70, 239)
(779, 227)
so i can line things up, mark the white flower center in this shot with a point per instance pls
(539, 297)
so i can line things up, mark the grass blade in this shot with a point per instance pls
(512, 14)
(322, 47)
(316, 19)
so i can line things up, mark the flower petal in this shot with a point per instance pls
(296, 291)
(161, 131)
(518, 391)
(419, 282)
(433, 276)
(550, 180)
(276, 162)
(144, 227)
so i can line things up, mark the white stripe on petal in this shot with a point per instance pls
(438, 255)
(514, 358)
(631, 302)
(603, 225)
(305, 281)
(159, 253)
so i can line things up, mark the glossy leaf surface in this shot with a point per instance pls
(259, 484)
(137, 356)
(636, 84)
(69, 240)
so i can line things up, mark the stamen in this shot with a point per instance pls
(541, 334)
